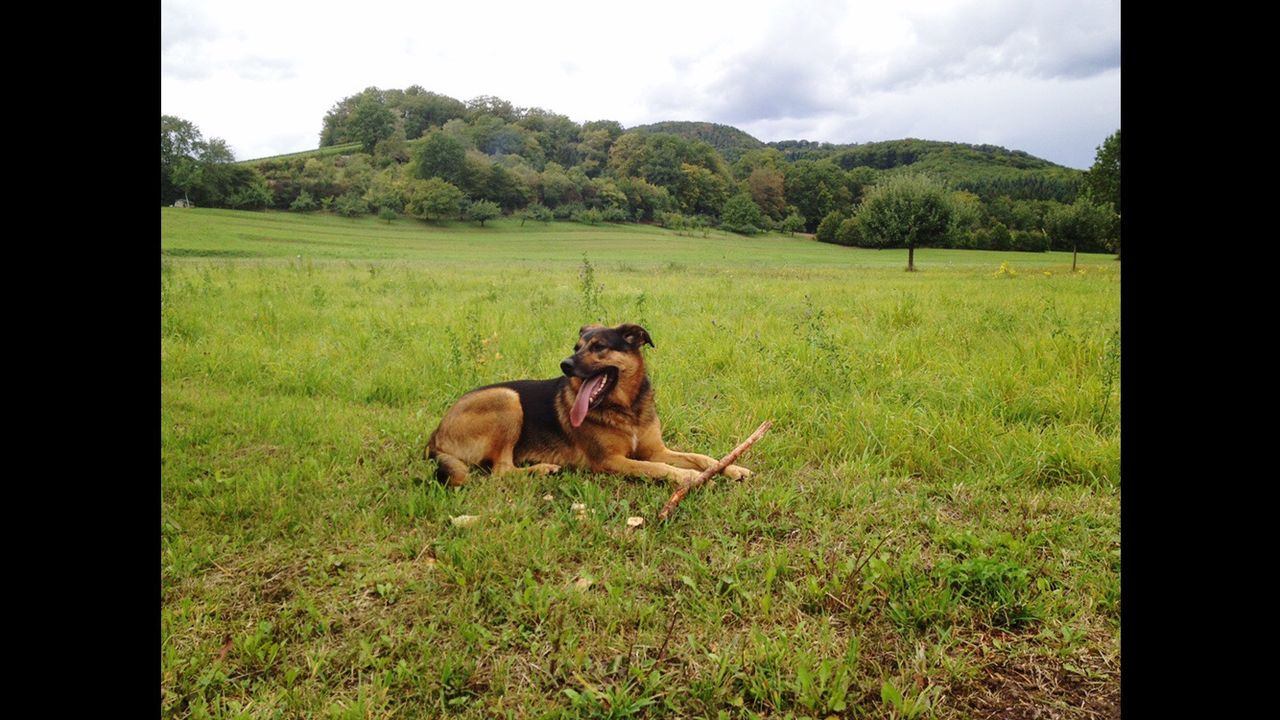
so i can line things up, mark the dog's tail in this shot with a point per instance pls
(449, 469)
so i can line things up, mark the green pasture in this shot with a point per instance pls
(933, 529)
(249, 234)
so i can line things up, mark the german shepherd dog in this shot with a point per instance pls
(599, 416)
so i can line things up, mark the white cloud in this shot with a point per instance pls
(262, 75)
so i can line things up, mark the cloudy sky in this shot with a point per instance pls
(1036, 75)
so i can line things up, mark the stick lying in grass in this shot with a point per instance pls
(714, 470)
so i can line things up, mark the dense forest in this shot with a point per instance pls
(429, 156)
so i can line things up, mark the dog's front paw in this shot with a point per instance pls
(545, 468)
(737, 472)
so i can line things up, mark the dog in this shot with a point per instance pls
(599, 415)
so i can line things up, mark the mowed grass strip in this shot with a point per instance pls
(933, 529)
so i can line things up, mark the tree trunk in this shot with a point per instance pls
(1074, 250)
(911, 258)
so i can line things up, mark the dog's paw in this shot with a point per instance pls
(737, 472)
(545, 468)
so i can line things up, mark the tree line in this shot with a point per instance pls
(433, 157)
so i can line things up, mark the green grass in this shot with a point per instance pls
(231, 233)
(933, 530)
(344, 149)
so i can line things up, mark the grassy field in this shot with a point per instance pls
(933, 529)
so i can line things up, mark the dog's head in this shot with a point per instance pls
(604, 360)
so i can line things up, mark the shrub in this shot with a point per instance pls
(483, 210)
(590, 217)
(568, 210)
(741, 215)
(304, 203)
(1029, 241)
(829, 226)
(434, 198)
(793, 223)
(535, 211)
(252, 196)
(850, 233)
(351, 205)
(616, 214)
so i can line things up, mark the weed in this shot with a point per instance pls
(1005, 271)
(590, 290)
(815, 328)
(1000, 590)
(909, 706)
(1110, 373)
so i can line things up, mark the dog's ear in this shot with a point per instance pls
(593, 326)
(635, 336)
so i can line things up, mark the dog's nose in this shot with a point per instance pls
(566, 367)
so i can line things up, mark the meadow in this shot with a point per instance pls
(933, 529)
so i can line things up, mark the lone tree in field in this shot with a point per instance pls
(1080, 223)
(908, 210)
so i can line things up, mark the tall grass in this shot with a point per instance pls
(936, 507)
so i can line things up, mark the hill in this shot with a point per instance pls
(985, 170)
(379, 146)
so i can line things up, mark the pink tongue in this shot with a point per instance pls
(583, 401)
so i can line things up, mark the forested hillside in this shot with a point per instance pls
(429, 156)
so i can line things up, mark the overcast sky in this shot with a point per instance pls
(1036, 75)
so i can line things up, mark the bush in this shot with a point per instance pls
(568, 210)
(253, 196)
(671, 220)
(741, 215)
(999, 238)
(616, 215)
(351, 205)
(793, 223)
(434, 198)
(829, 225)
(850, 233)
(1029, 241)
(590, 217)
(387, 214)
(535, 211)
(741, 229)
(483, 210)
(304, 203)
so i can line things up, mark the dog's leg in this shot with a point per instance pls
(699, 462)
(482, 428)
(449, 469)
(627, 466)
(504, 466)
(649, 446)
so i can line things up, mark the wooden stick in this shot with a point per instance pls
(712, 471)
